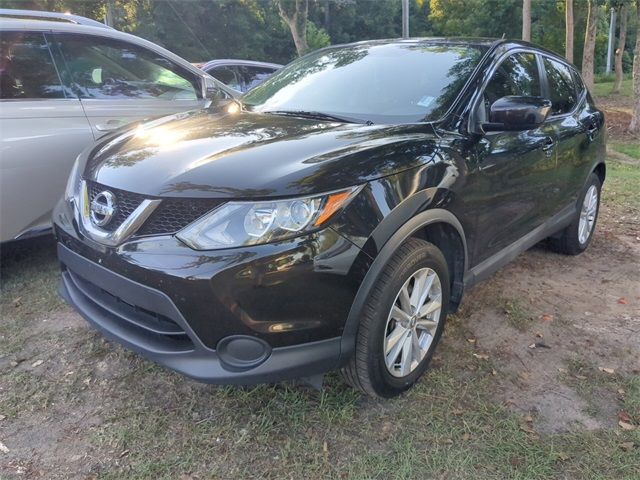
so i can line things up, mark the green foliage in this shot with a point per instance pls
(317, 37)
(204, 29)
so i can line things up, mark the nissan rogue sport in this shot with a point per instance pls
(334, 215)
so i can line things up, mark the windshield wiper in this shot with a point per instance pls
(318, 116)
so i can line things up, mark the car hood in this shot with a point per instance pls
(250, 155)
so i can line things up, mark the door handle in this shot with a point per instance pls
(548, 145)
(592, 129)
(109, 125)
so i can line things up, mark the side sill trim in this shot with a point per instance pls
(489, 266)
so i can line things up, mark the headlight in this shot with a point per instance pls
(237, 224)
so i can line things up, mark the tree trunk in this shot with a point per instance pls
(590, 44)
(568, 39)
(635, 118)
(526, 20)
(620, 50)
(295, 13)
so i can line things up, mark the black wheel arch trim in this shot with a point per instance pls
(406, 230)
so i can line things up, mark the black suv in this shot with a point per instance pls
(336, 214)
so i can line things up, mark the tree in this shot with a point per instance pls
(568, 39)
(588, 53)
(635, 118)
(295, 13)
(491, 18)
(526, 20)
(622, 39)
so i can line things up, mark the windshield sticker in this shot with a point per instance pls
(426, 101)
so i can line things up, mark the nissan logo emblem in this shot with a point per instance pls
(102, 208)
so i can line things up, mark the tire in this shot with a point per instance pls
(414, 263)
(572, 240)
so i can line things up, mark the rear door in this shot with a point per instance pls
(119, 82)
(577, 125)
(43, 130)
(515, 169)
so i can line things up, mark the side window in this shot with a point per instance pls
(562, 89)
(228, 76)
(516, 75)
(26, 68)
(255, 75)
(580, 88)
(104, 68)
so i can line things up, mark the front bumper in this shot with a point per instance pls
(248, 316)
(171, 347)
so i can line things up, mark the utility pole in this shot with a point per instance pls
(405, 18)
(108, 18)
(526, 20)
(612, 37)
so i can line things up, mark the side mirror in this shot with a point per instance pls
(517, 113)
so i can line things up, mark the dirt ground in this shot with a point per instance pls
(547, 349)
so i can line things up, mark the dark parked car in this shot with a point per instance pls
(335, 218)
(241, 75)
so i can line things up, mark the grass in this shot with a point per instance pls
(630, 149)
(29, 275)
(603, 89)
(517, 315)
(622, 185)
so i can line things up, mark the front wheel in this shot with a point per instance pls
(575, 239)
(401, 322)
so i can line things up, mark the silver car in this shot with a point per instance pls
(65, 81)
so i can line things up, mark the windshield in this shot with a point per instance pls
(392, 83)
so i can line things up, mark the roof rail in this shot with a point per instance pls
(40, 15)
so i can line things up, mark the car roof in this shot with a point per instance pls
(491, 44)
(234, 61)
(12, 23)
(41, 15)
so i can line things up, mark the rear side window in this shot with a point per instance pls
(578, 82)
(104, 68)
(26, 68)
(227, 75)
(562, 88)
(255, 75)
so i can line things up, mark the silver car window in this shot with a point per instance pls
(105, 68)
(27, 70)
(227, 75)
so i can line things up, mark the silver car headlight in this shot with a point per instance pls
(237, 224)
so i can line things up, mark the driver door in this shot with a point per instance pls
(514, 180)
(119, 82)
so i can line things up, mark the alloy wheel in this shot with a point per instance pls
(412, 322)
(588, 214)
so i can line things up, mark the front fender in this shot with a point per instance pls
(399, 225)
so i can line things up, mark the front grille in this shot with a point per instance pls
(126, 203)
(172, 215)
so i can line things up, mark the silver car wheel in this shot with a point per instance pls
(412, 322)
(588, 214)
